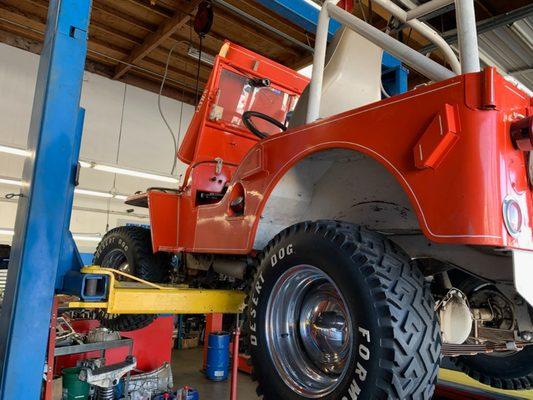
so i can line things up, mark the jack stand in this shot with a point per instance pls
(235, 360)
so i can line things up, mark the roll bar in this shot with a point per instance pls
(410, 18)
(466, 28)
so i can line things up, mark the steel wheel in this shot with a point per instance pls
(309, 331)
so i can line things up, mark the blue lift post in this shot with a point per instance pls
(43, 247)
(305, 15)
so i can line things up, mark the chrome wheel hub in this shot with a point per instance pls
(309, 331)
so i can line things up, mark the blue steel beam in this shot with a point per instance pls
(41, 242)
(300, 12)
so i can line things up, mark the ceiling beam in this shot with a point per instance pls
(102, 11)
(259, 22)
(97, 64)
(98, 51)
(153, 40)
(488, 24)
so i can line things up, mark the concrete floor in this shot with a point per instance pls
(186, 365)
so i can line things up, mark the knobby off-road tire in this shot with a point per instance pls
(339, 313)
(129, 248)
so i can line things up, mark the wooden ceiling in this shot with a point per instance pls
(130, 40)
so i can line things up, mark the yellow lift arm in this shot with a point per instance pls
(142, 297)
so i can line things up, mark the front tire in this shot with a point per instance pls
(338, 312)
(129, 249)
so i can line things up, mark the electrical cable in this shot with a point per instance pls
(117, 158)
(362, 10)
(179, 129)
(171, 131)
(198, 68)
(383, 91)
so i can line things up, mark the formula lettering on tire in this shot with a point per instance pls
(360, 371)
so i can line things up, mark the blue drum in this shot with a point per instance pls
(218, 356)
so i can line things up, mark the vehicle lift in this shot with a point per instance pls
(44, 258)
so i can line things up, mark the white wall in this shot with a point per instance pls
(113, 110)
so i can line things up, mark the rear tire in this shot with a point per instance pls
(512, 371)
(129, 248)
(355, 292)
(505, 370)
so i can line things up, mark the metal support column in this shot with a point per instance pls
(41, 237)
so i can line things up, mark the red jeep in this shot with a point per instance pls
(372, 241)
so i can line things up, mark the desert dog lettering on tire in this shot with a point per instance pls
(338, 312)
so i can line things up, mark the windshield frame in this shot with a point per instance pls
(247, 74)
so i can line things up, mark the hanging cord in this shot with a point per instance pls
(10, 196)
(383, 91)
(117, 157)
(199, 67)
(409, 37)
(362, 10)
(179, 130)
(169, 127)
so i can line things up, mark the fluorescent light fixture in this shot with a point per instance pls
(14, 150)
(77, 236)
(130, 172)
(206, 58)
(96, 193)
(13, 182)
(88, 164)
(126, 171)
(84, 192)
(93, 193)
(85, 164)
(86, 238)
